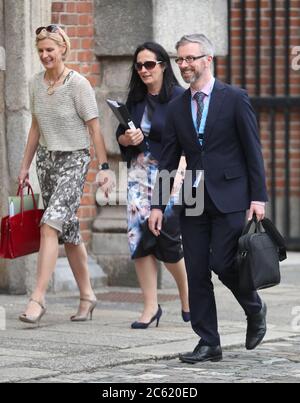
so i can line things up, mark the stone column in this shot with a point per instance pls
(4, 182)
(3, 156)
(120, 26)
(20, 18)
(174, 18)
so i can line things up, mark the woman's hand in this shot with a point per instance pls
(106, 181)
(155, 221)
(132, 137)
(23, 177)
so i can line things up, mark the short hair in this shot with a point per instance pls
(201, 39)
(60, 37)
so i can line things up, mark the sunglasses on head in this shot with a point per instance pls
(51, 28)
(149, 65)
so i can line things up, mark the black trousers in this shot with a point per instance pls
(210, 243)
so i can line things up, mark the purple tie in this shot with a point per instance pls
(199, 98)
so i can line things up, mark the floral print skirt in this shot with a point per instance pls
(141, 180)
(61, 176)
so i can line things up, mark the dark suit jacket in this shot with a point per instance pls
(231, 154)
(153, 143)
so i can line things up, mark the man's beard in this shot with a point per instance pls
(195, 77)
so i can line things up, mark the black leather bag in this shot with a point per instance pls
(259, 254)
(148, 238)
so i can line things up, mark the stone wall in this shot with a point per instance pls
(104, 35)
(174, 18)
(3, 155)
(120, 26)
(18, 20)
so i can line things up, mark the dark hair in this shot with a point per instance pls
(137, 89)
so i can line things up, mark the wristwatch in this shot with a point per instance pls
(103, 167)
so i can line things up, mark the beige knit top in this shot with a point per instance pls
(62, 116)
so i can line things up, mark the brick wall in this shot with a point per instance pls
(266, 79)
(77, 17)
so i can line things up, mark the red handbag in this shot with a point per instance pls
(20, 234)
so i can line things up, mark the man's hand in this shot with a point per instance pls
(155, 221)
(258, 210)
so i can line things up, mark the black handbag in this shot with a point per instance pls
(148, 238)
(259, 254)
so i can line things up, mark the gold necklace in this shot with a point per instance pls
(50, 89)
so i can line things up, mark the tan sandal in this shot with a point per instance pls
(33, 319)
(89, 314)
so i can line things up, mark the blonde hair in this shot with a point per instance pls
(59, 37)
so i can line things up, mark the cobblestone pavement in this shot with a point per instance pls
(273, 362)
(107, 350)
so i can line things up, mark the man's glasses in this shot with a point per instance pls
(188, 59)
(51, 28)
(150, 65)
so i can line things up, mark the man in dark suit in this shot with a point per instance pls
(215, 126)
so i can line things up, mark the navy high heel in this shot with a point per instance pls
(186, 316)
(141, 325)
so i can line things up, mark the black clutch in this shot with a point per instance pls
(259, 254)
(148, 238)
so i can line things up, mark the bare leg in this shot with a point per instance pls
(179, 273)
(146, 270)
(47, 258)
(78, 260)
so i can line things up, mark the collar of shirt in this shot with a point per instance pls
(207, 89)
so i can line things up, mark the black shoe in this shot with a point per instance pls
(257, 328)
(142, 325)
(202, 354)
